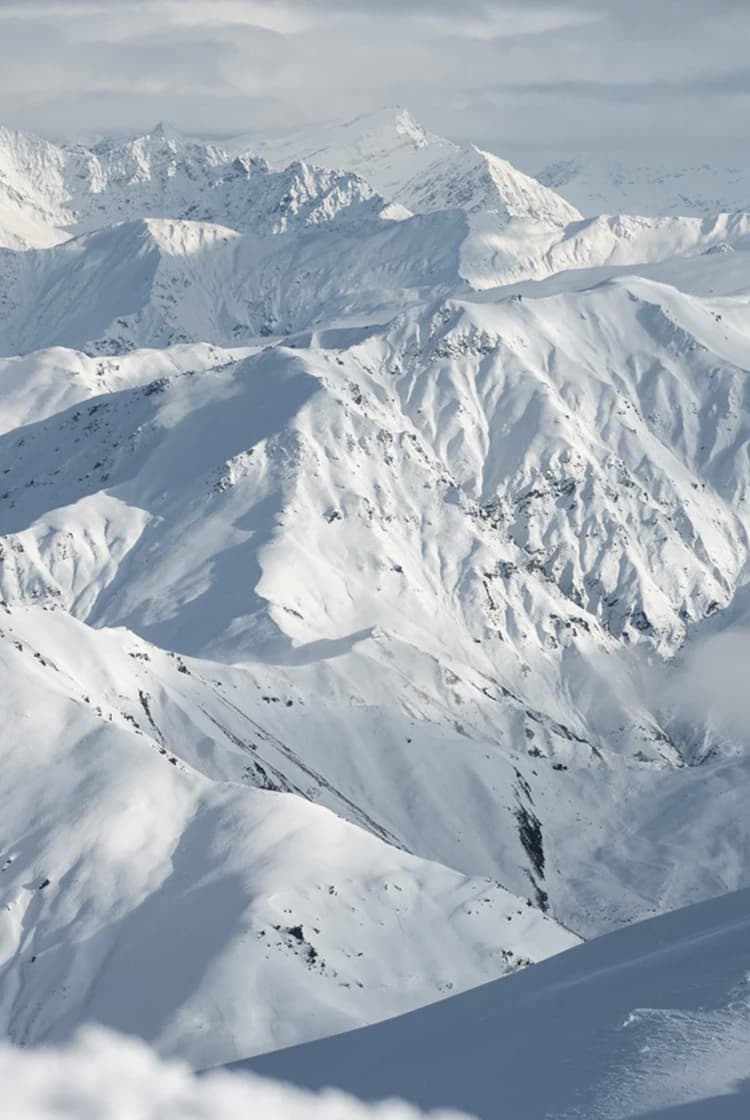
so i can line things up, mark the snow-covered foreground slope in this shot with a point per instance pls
(104, 1075)
(652, 1021)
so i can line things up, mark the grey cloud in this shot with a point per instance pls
(545, 75)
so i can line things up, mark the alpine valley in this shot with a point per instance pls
(374, 566)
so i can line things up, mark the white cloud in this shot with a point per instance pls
(705, 690)
(104, 1075)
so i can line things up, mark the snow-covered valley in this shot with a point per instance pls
(374, 537)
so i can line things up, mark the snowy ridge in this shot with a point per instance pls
(643, 186)
(422, 171)
(285, 901)
(340, 533)
(162, 175)
(160, 282)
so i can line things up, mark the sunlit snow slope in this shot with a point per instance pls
(374, 543)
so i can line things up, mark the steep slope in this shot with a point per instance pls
(29, 168)
(624, 406)
(542, 387)
(196, 912)
(652, 1021)
(48, 192)
(459, 523)
(388, 146)
(422, 171)
(479, 182)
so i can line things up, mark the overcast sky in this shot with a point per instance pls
(533, 76)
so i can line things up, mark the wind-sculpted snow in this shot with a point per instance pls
(104, 1075)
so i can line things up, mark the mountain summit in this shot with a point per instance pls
(422, 171)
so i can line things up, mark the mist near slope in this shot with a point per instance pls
(701, 694)
(107, 1075)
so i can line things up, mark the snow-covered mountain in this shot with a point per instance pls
(650, 1022)
(193, 898)
(422, 171)
(403, 160)
(158, 282)
(362, 521)
(50, 192)
(598, 185)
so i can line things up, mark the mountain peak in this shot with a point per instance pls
(164, 131)
(391, 118)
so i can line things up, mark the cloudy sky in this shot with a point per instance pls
(520, 76)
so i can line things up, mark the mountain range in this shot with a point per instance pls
(374, 532)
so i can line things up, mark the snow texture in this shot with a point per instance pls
(652, 1021)
(374, 552)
